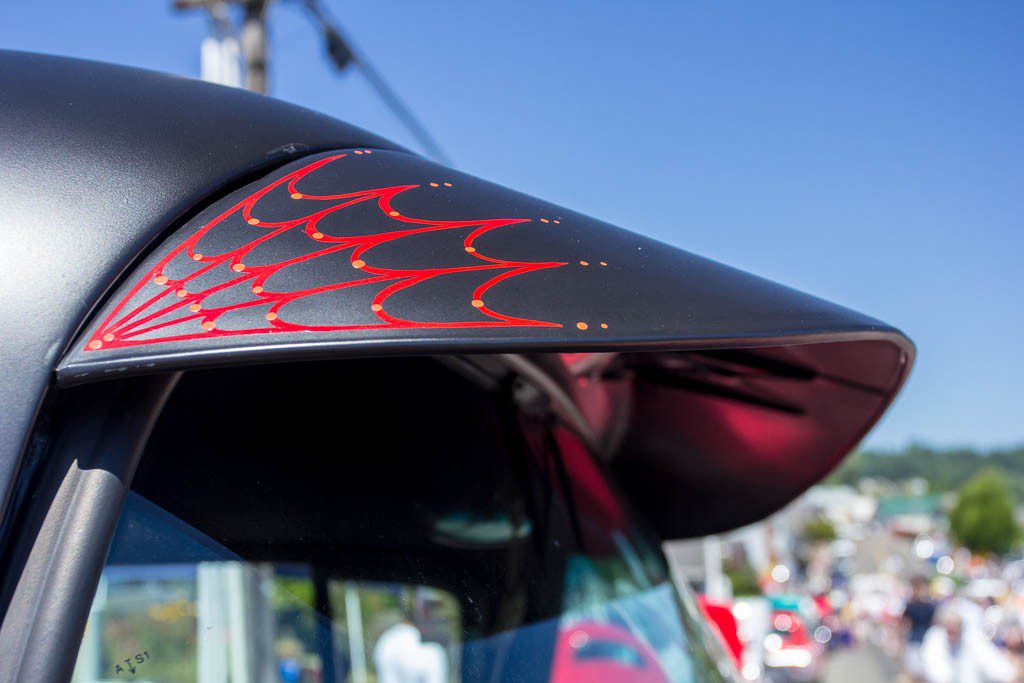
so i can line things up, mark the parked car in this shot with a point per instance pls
(791, 652)
(724, 625)
(282, 399)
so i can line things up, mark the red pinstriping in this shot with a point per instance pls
(133, 325)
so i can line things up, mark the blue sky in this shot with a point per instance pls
(868, 152)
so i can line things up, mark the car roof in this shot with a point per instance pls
(111, 171)
(99, 160)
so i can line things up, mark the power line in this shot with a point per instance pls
(227, 43)
(343, 53)
(252, 36)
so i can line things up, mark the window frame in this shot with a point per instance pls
(62, 532)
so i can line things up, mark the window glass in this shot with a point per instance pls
(387, 542)
(191, 610)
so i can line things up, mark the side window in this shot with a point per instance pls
(624, 619)
(391, 631)
(174, 607)
(323, 534)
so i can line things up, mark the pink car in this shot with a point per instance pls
(590, 651)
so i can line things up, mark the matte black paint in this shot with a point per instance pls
(722, 443)
(100, 161)
(649, 294)
(97, 160)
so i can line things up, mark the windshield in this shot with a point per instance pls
(426, 535)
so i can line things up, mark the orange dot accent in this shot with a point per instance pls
(254, 221)
(603, 263)
(584, 263)
(358, 263)
(195, 308)
(208, 325)
(471, 250)
(604, 326)
(376, 307)
(393, 213)
(359, 151)
(556, 221)
(477, 303)
(434, 185)
(366, 151)
(296, 195)
(447, 184)
(318, 235)
(197, 257)
(95, 344)
(544, 220)
(582, 326)
(182, 293)
(108, 337)
(160, 279)
(238, 267)
(271, 316)
(257, 289)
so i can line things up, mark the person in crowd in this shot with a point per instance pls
(405, 653)
(952, 654)
(917, 619)
(402, 656)
(1011, 640)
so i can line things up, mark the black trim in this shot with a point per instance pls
(63, 535)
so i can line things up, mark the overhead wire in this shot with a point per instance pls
(343, 52)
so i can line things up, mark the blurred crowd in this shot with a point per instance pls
(929, 611)
(974, 636)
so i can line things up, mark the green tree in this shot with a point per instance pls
(742, 577)
(944, 468)
(818, 530)
(983, 518)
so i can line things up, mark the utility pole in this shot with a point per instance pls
(234, 40)
(251, 37)
(254, 45)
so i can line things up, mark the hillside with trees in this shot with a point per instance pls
(943, 469)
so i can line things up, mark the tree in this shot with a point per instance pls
(983, 519)
(818, 530)
(743, 579)
(944, 469)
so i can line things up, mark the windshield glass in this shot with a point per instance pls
(448, 537)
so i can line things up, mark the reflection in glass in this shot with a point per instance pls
(315, 550)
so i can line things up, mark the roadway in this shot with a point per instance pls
(860, 664)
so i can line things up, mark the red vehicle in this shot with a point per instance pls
(590, 652)
(790, 651)
(723, 624)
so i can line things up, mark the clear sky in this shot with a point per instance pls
(868, 152)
